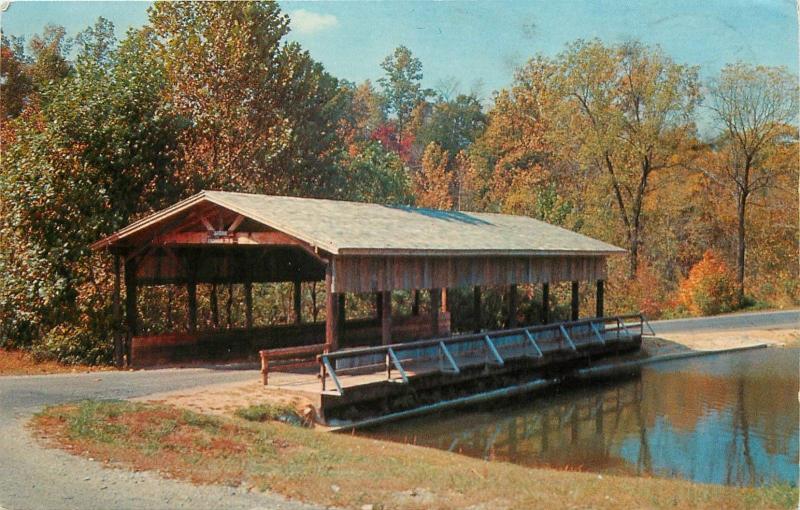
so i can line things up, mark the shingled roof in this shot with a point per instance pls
(354, 228)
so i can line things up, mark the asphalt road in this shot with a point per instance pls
(33, 477)
(756, 320)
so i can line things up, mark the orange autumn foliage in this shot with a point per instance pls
(710, 287)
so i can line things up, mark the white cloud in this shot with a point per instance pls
(308, 22)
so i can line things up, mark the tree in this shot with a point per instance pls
(372, 174)
(262, 115)
(364, 113)
(433, 183)
(626, 110)
(92, 157)
(755, 108)
(453, 124)
(15, 84)
(48, 56)
(402, 89)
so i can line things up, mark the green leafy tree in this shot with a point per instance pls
(373, 174)
(453, 124)
(49, 52)
(401, 86)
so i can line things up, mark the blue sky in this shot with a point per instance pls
(478, 44)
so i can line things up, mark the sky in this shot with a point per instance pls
(475, 46)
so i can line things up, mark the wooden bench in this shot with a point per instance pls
(302, 356)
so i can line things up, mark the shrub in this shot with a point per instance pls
(710, 287)
(271, 412)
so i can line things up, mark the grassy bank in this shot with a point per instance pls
(350, 472)
(18, 362)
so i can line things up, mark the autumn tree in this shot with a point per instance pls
(433, 182)
(262, 115)
(401, 86)
(49, 52)
(627, 111)
(92, 158)
(755, 109)
(15, 83)
(454, 124)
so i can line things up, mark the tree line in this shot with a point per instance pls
(696, 178)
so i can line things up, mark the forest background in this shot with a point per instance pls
(601, 139)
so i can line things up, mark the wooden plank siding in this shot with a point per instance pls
(378, 274)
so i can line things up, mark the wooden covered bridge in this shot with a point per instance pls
(235, 238)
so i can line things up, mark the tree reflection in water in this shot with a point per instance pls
(728, 419)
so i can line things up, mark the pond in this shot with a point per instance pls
(724, 419)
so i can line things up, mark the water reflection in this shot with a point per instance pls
(730, 419)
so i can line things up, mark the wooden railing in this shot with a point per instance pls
(453, 354)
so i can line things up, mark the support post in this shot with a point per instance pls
(298, 302)
(130, 298)
(379, 305)
(248, 305)
(119, 347)
(545, 303)
(600, 297)
(476, 308)
(191, 293)
(331, 312)
(512, 306)
(444, 300)
(436, 296)
(342, 314)
(415, 304)
(214, 304)
(575, 301)
(386, 318)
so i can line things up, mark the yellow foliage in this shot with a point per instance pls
(710, 287)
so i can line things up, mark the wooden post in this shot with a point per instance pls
(444, 300)
(331, 312)
(386, 318)
(415, 305)
(575, 301)
(545, 303)
(191, 292)
(378, 305)
(298, 302)
(476, 308)
(600, 297)
(512, 306)
(436, 296)
(248, 305)
(131, 317)
(214, 306)
(119, 347)
(342, 315)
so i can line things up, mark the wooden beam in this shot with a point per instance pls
(191, 295)
(444, 301)
(415, 304)
(342, 314)
(248, 305)
(248, 238)
(119, 347)
(131, 317)
(436, 296)
(236, 222)
(386, 318)
(600, 297)
(476, 308)
(214, 304)
(545, 303)
(575, 301)
(298, 302)
(331, 312)
(512, 306)
(207, 223)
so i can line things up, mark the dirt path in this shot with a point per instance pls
(35, 477)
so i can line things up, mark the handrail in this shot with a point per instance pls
(327, 360)
(381, 349)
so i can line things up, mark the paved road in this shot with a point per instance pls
(756, 320)
(40, 478)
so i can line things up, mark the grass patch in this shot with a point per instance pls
(284, 413)
(348, 471)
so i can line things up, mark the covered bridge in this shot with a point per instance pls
(237, 238)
